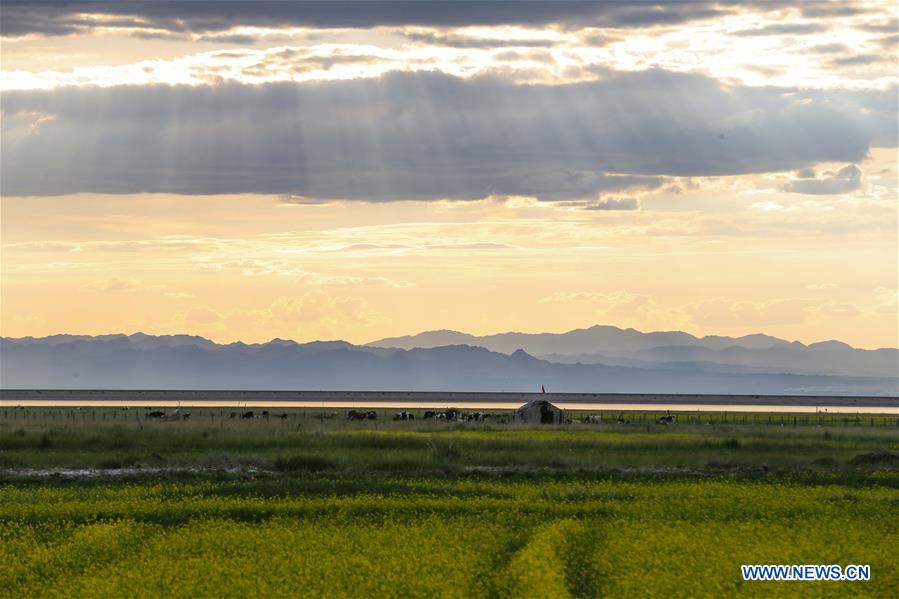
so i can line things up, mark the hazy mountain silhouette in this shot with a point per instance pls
(593, 339)
(187, 362)
(674, 349)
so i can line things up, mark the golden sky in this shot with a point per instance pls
(754, 191)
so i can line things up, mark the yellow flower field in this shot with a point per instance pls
(426, 537)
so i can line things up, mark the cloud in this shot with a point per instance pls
(848, 178)
(718, 312)
(614, 204)
(351, 281)
(464, 41)
(541, 56)
(370, 247)
(832, 9)
(597, 40)
(624, 307)
(428, 136)
(315, 307)
(887, 26)
(771, 206)
(888, 41)
(831, 48)
(609, 302)
(249, 267)
(857, 60)
(567, 297)
(465, 247)
(299, 200)
(180, 17)
(126, 285)
(784, 29)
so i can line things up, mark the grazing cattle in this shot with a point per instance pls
(247, 415)
(371, 415)
(155, 414)
(623, 420)
(430, 415)
(447, 415)
(356, 415)
(186, 416)
(284, 416)
(404, 416)
(265, 413)
(667, 419)
(476, 416)
(176, 415)
(592, 419)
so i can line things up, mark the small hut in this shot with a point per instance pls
(540, 411)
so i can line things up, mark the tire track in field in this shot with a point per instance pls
(554, 561)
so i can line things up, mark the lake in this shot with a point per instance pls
(431, 399)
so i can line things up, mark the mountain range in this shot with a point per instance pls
(599, 359)
(628, 347)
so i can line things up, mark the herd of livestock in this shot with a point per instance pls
(448, 415)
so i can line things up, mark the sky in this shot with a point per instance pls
(358, 170)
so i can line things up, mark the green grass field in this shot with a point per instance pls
(325, 508)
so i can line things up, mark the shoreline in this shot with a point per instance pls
(11, 398)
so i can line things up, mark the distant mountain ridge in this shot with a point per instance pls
(602, 344)
(142, 361)
(583, 340)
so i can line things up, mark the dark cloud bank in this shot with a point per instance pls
(21, 17)
(426, 135)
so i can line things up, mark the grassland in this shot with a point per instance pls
(322, 508)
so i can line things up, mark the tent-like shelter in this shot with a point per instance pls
(540, 411)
